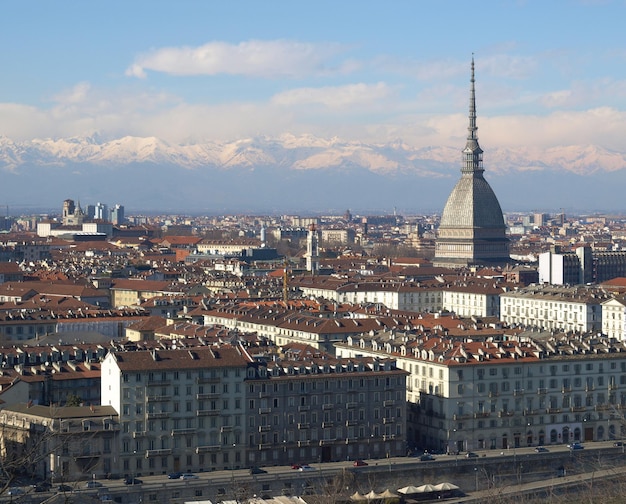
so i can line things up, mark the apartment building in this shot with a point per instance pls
(214, 408)
(614, 317)
(473, 298)
(61, 443)
(517, 392)
(180, 410)
(324, 409)
(557, 307)
(289, 326)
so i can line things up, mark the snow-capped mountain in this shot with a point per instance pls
(281, 173)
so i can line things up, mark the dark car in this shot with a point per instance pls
(64, 488)
(425, 457)
(575, 446)
(359, 463)
(132, 481)
(42, 486)
(541, 449)
(257, 470)
(618, 443)
(295, 466)
(174, 475)
(471, 455)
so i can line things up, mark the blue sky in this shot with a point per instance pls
(548, 72)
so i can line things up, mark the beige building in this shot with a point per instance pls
(60, 443)
(472, 395)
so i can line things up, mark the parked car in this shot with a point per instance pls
(257, 470)
(296, 466)
(174, 475)
(575, 446)
(132, 481)
(93, 484)
(471, 455)
(64, 488)
(306, 467)
(425, 457)
(541, 449)
(359, 463)
(618, 443)
(188, 476)
(15, 491)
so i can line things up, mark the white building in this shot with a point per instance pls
(472, 395)
(576, 309)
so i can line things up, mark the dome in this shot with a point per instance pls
(472, 204)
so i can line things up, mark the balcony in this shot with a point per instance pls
(304, 425)
(389, 420)
(265, 446)
(208, 396)
(327, 442)
(304, 408)
(578, 409)
(351, 405)
(159, 398)
(327, 406)
(542, 391)
(158, 414)
(158, 453)
(139, 434)
(351, 423)
(389, 437)
(553, 411)
(226, 428)
(482, 414)
(208, 448)
(504, 414)
(263, 395)
(265, 428)
(350, 440)
(303, 443)
(493, 393)
(388, 402)
(327, 425)
(518, 392)
(566, 390)
(178, 432)
(263, 411)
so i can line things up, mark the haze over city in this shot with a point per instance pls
(207, 106)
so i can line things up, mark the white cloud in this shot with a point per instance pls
(268, 59)
(334, 96)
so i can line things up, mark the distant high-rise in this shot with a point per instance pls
(117, 214)
(101, 212)
(472, 229)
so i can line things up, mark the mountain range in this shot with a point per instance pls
(298, 174)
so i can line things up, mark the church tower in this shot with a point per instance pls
(312, 250)
(472, 230)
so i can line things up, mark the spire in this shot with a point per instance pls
(473, 154)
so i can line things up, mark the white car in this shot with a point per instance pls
(188, 476)
(306, 467)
